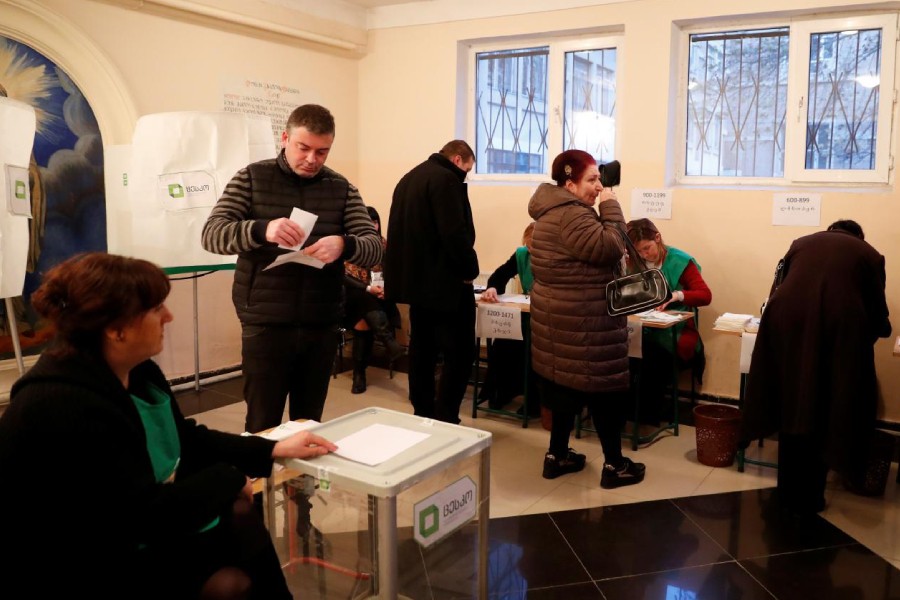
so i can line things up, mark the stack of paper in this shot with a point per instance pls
(656, 316)
(732, 322)
(752, 326)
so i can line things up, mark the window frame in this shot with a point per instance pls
(558, 46)
(795, 171)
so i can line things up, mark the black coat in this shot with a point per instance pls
(79, 493)
(431, 237)
(812, 371)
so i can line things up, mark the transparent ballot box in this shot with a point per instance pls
(406, 517)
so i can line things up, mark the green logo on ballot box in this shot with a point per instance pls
(176, 190)
(20, 189)
(445, 511)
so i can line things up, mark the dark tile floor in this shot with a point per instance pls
(210, 396)
(736, 545)
(725, 546)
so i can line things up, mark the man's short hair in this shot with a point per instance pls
(458, 148)
(849, 226)
(317, 120)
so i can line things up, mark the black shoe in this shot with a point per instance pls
(572, 463)
(359, 382)
(628, 473)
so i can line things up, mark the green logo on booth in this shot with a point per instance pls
(429, 514)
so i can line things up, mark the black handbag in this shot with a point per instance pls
(630, 294)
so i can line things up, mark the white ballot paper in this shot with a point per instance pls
(377, 443)
(306, 221)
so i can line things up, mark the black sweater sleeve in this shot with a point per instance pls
(503, 274)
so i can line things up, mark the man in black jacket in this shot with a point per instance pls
(430, 265)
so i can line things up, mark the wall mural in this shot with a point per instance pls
(66, 176)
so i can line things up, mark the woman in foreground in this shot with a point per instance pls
(115, 494)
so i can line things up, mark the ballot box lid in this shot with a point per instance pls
(445, 445)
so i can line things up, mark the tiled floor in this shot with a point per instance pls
(687, 532)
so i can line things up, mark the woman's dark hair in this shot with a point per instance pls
(570, 166)
(373, 214)
(641, 229)
(848, 226)
(88, 293)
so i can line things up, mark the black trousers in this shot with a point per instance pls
(802, 472)
(434, 333)
(607, 412)
(282, 363)
(177, 568)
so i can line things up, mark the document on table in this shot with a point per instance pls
(655, 316)
(286, 430)
(306, 221)
(514, 298)
(377, 443)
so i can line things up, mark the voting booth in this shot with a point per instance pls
(402, 498)
(161, 188)
(18, 124)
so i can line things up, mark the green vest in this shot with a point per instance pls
(673, 266)
(523, 266)
(163, 444)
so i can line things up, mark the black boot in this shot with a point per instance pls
(381, 326)
(362, 350)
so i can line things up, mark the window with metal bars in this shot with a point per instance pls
(534, 101)
(804, 102)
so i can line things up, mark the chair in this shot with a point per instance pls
(343, 340)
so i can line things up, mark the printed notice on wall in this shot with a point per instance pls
(797, 209)
(652, 204)
(257, 97)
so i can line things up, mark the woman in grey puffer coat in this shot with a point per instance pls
(579, 352)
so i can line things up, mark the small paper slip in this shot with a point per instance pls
(377, 443)
(306, 221)
(296, 257)
(286, 430)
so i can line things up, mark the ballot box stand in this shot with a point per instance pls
(412, 526)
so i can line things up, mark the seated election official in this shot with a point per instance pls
(109, 492)
(689, 290)
(368, 314)
(505, 375)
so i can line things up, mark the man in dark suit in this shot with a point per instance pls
(812, 374)
(430, 264)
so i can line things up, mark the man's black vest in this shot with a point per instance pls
(291, 294)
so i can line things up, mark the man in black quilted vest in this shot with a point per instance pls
(289, 314)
